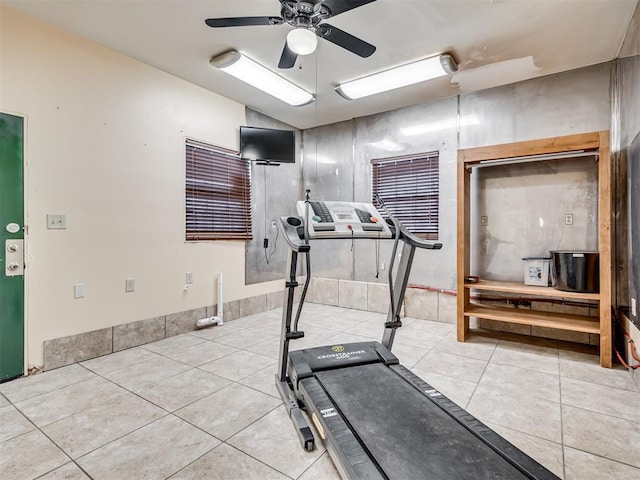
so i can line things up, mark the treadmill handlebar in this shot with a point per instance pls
(293, 230)
(412, 238)
(406, 235)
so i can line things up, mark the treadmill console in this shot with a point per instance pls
(343, 220)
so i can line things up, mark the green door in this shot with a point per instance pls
(11, 247)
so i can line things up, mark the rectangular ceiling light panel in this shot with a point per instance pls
(402, 76)
(251, 72)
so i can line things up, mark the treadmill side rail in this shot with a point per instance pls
(348, 455)
(529, 467)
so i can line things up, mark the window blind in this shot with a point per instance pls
(409, 187)
(218, 194)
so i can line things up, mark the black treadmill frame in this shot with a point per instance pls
(300, 390)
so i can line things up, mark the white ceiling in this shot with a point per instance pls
(496, 42)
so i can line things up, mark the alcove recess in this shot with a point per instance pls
(594, 142)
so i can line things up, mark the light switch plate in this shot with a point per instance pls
(56, 221)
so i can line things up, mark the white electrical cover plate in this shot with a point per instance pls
(79, 290)
(13, 228)
(56, 221)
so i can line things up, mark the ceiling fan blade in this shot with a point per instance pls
(242, 21)
(288, 57)
(338, 6)
(345, 40)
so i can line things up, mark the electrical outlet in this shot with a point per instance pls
(382, 266)
(79, 290)
(130, 285)
(568, 218)
(188, 278)
(484, 220)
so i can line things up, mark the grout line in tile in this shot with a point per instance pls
(55, 389)
(121, 436)
(313, 463)
(484, 370)
(601, 456)
(42, 432)
(142, 426)
(564, 463)
(609, 415)
(247, 453)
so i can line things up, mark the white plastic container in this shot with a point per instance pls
(536, 271)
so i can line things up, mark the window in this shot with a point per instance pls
(218, 195)
(409, 188)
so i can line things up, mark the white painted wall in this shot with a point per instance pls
(105, 146)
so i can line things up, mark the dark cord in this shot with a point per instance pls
(275, 246)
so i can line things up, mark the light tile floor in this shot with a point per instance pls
(204, 406)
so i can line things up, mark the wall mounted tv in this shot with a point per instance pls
(267, 145)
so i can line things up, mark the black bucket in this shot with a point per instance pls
(576, 271)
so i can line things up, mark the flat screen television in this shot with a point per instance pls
(267, 145)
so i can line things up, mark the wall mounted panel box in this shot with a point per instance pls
(536, 271)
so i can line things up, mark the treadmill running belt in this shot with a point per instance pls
(409, 436)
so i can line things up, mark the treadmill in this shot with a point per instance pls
(375, 417)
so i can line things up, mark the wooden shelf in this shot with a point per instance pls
(596, 142)
(560, 321)
(530, 290)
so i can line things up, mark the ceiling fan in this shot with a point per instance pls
(308, 19)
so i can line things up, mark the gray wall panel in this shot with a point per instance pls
(631, 43)
(328, 173)
(336, 166)
(629, 86)
(328, 161)
(561, 104)
(423, 128)
(274, 191)
(525, 205)
(630, 99)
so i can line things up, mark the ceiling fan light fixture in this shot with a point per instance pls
(251, 72)
(302, 41)
(402, 76)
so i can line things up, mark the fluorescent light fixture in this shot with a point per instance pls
(397, 77)
(302, 41)
(245, 69)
